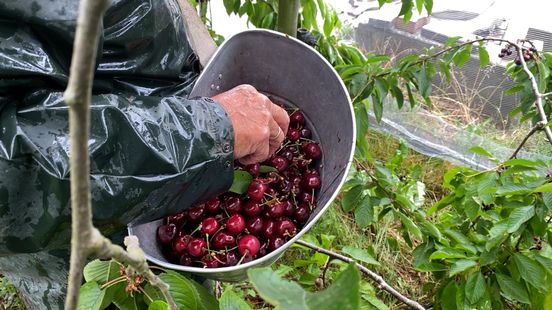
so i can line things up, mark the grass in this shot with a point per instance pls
(9, 298)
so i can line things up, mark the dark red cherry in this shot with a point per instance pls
(285, 228)
(248, 245)
(312, 151)
(180, 244)
(276, 210)
(275, 243)
(223, 239)
(311, 182)
(209, 226)
(235, 224)
(166, 233)
(296, 180)
(255, 226)
(256, 190)
(233, 205)
(230, 258)
(287, 154)
(279, 162)
(312, 172)
(268, 229)
(177, 219)
(306, 133)
(253, 169)
(290, 209)
(294, 150)
(303, 164)
(185, 259)
(197, 247)
(301, 214)
(305, 197)
(284, 187)
(213, 205)
(196, 214)
(293, 134)
(210, 262)
(252, 209)
(297, 119)
(263, 250)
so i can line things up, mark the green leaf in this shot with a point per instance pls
(101, 271)
(360, 255)
(424, 82)
(546, 188)
(187, 293)
(343, 294)
(280, 293)
(452, 40)
(267, 21)
(242, 179)
(411, 97)
(230, 301)
(462, 56)
(545, 261)
(429, 6)
(531, 271)
(397, 93)
(547, 199)
(461, 265)
(90, 296)
(519, 216)
(512, 289)
(431, 229)
(445, 253)
(419, 6)
(229, 6)
(520, 162)
(497, 234)
(475, 287)
(410, 226)
(158, 305)
(152, 292)
(543, 76)
(481, 151)
(266, 169)
(351, 198)
(364, 213)
(483, 56)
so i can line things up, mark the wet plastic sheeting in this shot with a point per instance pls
(153, 151)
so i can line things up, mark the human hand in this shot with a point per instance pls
(260, 126)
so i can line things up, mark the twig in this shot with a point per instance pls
(535, 88)
(372, 275)
(539, 126)
(428, 57)
(85, 238)
(324, 271)
(77, 96)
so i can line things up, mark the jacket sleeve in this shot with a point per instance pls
(153, 151)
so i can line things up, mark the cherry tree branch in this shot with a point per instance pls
(536, 92)
(539, 126)
(86, 240)
(372, 275)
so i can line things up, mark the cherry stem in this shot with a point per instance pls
(243, 257)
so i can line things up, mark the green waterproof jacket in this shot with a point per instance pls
(153, 151)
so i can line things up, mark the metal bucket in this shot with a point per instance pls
(289, 70)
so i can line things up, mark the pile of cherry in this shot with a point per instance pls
(233, 229)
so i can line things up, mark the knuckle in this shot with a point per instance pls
(247, 87)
